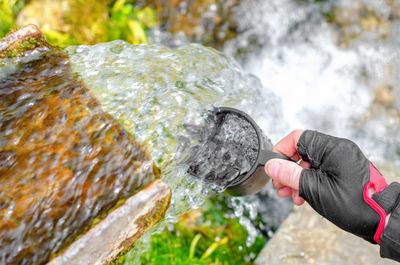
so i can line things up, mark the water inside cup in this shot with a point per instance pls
(226, 149)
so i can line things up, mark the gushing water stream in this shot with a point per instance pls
(154, 91)
(150, 91)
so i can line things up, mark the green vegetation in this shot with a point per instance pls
(202, 238)
(8, 11)
(129, 23)
(108, 20)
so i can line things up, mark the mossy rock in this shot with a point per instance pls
(18, 42)
(64, 162)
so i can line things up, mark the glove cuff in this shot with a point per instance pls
(390, 243)
(383, 201)
(389, 198)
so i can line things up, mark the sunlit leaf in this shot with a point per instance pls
(139, 35)
(213, 247)
(193, 245)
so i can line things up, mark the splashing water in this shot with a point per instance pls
(151, 91)
(154, 91)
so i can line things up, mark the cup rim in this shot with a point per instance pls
(241, 179)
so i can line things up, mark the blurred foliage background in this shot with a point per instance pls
(72, 22)
(8, 12)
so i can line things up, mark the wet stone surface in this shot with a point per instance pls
(63, 162)
(120, 230)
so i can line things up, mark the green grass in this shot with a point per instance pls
(206, 239)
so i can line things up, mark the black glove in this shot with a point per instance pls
(343, 185)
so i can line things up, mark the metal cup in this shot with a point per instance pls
(256, 178)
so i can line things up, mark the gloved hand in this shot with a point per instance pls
(336, 179)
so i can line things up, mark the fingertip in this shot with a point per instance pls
(289, 174)
(272, 168)
(297, 200)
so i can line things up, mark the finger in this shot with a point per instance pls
(285, 192)
(296, 198)
(286, 172)
(288, 145)
(277, 184)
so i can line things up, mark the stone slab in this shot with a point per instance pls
(121, 228)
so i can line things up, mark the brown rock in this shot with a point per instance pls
(18, 42)
(64, 163)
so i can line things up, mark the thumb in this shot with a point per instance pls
(286, 172)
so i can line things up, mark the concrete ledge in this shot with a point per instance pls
(120, 229)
